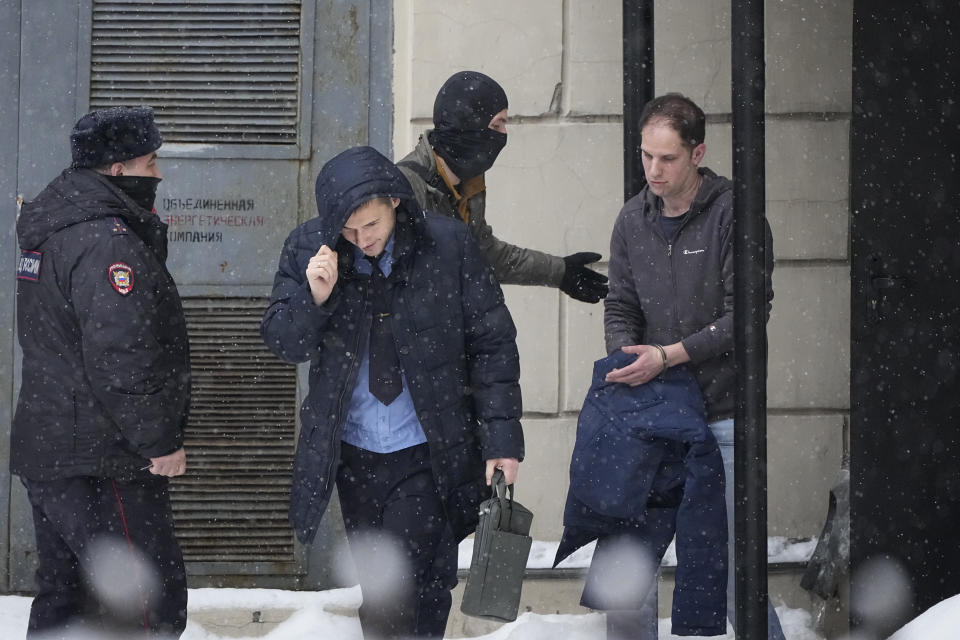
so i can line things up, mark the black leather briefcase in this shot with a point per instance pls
(501, 546)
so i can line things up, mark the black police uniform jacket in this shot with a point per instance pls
(455, 339)
(106, 372)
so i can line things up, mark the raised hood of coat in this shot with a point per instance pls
(351, 178)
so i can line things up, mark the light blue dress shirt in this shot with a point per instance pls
(372, 425)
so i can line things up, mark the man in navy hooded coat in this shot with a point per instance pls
(412, 466)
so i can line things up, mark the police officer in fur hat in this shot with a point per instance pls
(446, 171)
(99, 423)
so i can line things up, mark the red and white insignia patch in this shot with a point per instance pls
(121, 278)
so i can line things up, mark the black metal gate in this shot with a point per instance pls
(905, 345)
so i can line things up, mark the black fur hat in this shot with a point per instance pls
(113, 135)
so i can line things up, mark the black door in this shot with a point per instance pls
(905, 333)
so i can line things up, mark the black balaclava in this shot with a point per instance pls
(141, 189)
(466, 103)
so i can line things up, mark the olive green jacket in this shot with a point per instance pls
(510, 263)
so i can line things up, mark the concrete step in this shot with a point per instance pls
(558, 592)
(240, 622)
(545, 591)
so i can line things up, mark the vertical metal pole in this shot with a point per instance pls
(637, 87)
(750, 441)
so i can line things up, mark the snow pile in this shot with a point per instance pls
(331, 614)
(779, 549)
(939, 622)
(307, 615)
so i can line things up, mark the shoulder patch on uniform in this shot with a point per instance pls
(121, 277)
(118, 229)
(28, 266)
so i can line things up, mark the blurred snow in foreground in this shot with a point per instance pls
(330, 614)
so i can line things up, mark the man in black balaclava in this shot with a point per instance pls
(100, 418)
(446, 171)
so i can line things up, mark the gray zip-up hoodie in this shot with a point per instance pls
(662, 293)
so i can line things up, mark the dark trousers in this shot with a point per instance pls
(623, 577)
(404, 552)
(109, 563)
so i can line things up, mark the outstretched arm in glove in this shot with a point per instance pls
(581, 283)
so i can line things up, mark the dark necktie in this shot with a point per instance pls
(385, 381)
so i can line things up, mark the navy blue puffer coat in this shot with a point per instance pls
(645, 466)
(454, 335)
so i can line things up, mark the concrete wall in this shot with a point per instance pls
(557, 187)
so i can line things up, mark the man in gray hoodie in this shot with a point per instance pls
(671, 290)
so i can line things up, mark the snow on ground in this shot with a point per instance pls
(779, 549)
(939, 622)
(329, 614)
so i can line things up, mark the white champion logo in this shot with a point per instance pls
(687, 252)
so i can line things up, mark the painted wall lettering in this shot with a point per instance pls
(194, 236)
(214, 204)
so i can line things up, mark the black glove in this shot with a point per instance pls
(580, 283)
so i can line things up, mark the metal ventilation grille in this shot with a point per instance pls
(220, 72)
(232, 504)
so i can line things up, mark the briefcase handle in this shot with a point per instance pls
(499, 486)
(500, 489)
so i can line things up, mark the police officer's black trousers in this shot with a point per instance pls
(109, 563)
(403, 550)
